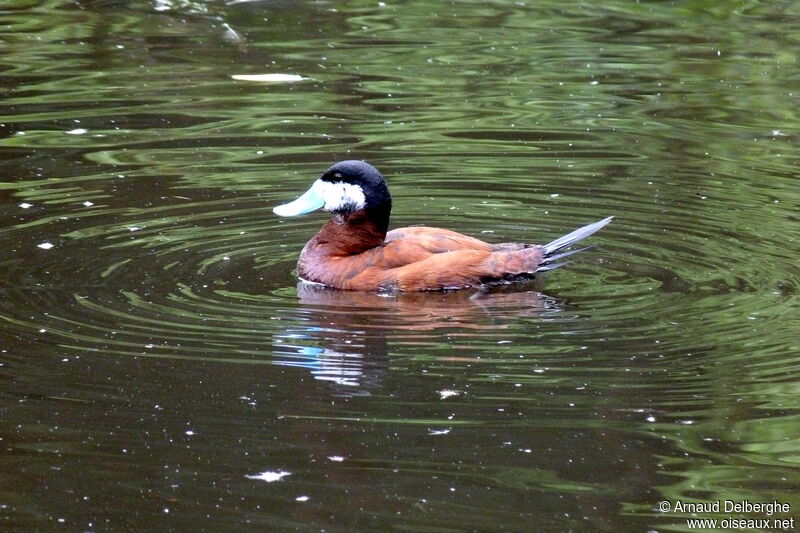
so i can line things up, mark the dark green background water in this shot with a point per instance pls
(155, 350)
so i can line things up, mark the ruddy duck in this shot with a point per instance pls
(354, 251)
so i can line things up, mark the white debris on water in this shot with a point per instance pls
(269, 476)
(269, 78)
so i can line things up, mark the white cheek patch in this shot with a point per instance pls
(341, 196)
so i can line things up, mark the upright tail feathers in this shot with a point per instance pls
(550, 249)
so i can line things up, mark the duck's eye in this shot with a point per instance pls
(338, 175)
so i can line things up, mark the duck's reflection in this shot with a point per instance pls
(345, 340)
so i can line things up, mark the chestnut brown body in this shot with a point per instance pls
(350, 252)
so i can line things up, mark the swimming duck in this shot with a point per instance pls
(354, 250)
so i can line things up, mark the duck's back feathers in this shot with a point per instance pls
(437, 240)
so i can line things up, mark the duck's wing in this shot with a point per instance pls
(434, 240)
(448, 270)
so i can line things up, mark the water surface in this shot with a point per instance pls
(161, 368)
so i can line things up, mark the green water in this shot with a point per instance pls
(162, 370)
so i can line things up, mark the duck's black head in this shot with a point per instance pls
(345, 188)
